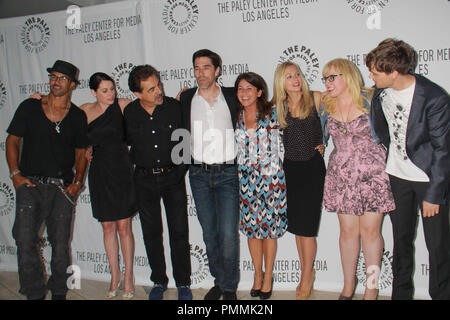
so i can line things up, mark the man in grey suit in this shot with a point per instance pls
(411, 117)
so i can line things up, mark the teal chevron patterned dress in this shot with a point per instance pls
(261, 179)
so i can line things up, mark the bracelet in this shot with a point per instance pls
(17, 171)
(78, 183)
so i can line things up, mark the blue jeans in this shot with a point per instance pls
(216, 196)
(36, 205)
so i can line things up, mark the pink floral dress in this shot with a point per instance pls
(356, 182)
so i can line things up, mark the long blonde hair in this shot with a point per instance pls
(352, 79)
(280, 95)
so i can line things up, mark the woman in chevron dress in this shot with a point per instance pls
(262, 182)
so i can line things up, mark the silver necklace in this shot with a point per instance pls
(345, 121)
(57, 123)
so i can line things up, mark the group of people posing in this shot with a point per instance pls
(255, 165)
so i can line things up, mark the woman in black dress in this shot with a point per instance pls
(110, 179)
(303, 164)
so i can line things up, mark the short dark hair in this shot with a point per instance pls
(216, 60)
(96, 78)
(141, 73)
(392, 55)
(262, 103)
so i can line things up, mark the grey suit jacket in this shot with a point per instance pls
(427, 135)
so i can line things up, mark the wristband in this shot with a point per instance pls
(14, 173)
(78, 183)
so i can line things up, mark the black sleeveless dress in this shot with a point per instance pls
(110, 174)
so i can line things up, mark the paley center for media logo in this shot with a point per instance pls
(120, 75)
(305, 57)
(379, 278)
(3, 95)
(35, 35)
(7, 199)
(180, 16)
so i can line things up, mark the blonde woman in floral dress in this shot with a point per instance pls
(356, 185)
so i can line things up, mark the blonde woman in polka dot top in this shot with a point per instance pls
(303, 165)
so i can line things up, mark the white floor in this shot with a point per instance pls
(96, 290)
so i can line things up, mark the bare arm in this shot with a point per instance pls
(37, 95)
(80, 170)
(123, 102)
(317, 99)
(12, 157)
(88, 153)
(180, 92)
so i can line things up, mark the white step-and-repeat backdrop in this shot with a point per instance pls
(250, 35)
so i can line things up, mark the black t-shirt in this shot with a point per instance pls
(150, 135)
(46, 152)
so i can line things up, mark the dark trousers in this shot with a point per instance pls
(171, 187)
(408, 198)
(36, 205)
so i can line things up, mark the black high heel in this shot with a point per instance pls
(266, 295)
(256, 292)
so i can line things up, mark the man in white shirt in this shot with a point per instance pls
(411, 117)
(210, 115)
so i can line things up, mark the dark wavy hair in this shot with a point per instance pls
(264, 106)
(392, 55)
(141, 73)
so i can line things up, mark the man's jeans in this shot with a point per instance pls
(34, 206)
(216, 196)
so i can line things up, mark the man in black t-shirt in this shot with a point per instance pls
(53, 133)
(150, 121)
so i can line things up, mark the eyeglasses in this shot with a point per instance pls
(330, 78)
(55, 78)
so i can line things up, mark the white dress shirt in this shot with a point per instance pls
(212, 133)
